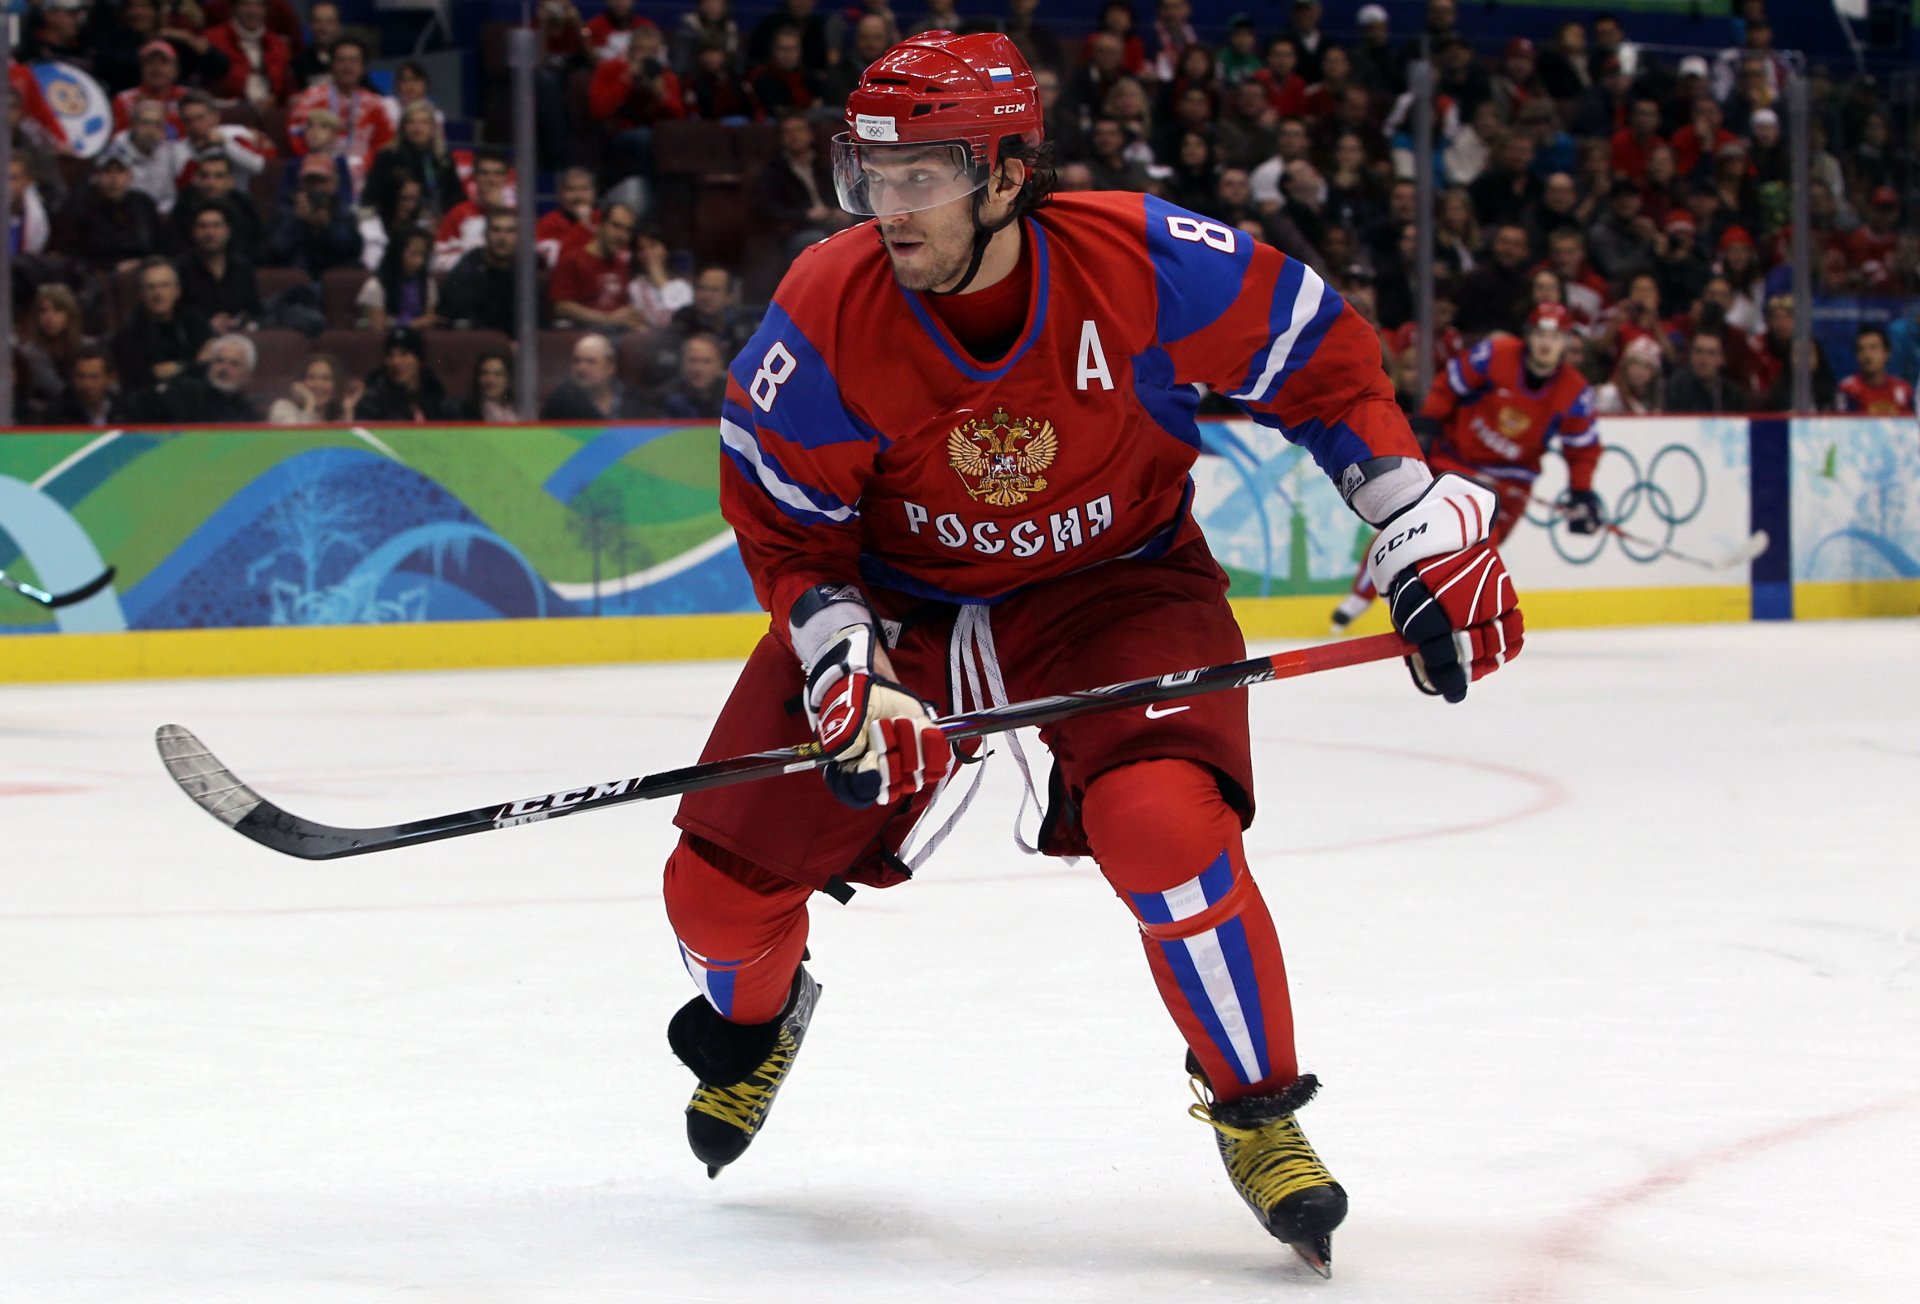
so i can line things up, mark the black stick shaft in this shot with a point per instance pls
(222, 794)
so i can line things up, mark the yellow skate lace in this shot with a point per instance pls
(744, 1104)
(1266, 1163)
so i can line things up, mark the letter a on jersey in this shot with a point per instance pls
(1093, 359)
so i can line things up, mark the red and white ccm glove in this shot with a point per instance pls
(880, 737)
(1447, 590)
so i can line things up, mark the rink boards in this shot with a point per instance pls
(375, 548)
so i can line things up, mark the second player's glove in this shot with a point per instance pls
(1447, 590)
(1582, 507)
(880, 737)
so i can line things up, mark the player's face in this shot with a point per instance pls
(1545, 348)
(930, 249)
(1871, 354)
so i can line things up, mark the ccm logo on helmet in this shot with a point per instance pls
(1008, 108)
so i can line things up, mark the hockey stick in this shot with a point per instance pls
(66, 599)
(223, 795)
(1756, 543)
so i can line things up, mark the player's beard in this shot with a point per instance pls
(935, 247)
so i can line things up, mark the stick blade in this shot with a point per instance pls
(221, 793)
(213, 787)
(84, 592)
(1755, 545)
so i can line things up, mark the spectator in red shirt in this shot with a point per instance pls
(715, 91)
(1634, 142)
(1870, 390)
(1286, 88)
(1585, 290)
(630, 95)
(570, 224)
(159, 81)
(783, 82)
(609, 34)
(463, 227)
(282, 19)
(365, 127)
(1695, 144)
(589, 286)
(1116, 19)
(1870, 246)
(259, 60)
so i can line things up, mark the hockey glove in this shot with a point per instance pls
(1447, 590)
(1582, 507)
(880, 737)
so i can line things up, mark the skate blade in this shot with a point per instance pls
(713, 1171)
(1316, 1254)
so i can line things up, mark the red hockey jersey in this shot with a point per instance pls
(863, 443)
(1892, 397)
(1495, 422)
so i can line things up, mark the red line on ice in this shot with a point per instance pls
(1566, 1238)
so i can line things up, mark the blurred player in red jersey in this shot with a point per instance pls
(1490, 417)
(1870, 390)
(956, 459)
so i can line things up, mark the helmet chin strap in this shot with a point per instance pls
(982, 237)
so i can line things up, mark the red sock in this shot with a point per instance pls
(1170, 845)
(741, 928)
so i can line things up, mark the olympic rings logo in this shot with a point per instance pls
(1670, 492)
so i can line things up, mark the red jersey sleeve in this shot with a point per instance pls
(794, 461)
(1575, 431)
(1464, 378)
(1263, 329)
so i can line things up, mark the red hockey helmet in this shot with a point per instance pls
(965, 96)
(1550, 317)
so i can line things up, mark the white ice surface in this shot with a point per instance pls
(1612, 976)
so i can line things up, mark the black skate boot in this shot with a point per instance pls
(1273, 1166)
(740, 1067)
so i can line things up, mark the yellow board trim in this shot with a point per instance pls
(445, 645)
(330, 649)
(1850, 599)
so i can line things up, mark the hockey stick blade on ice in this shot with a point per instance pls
(1754, 544)
(223, 795)
(66, 599)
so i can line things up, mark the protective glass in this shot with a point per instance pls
(878, 180)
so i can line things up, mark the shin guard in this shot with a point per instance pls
(741, 928)
(1170, 846)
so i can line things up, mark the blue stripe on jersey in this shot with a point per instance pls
(1286, 290)
(804, 405)
(1216, 879)
(1239, 953)
(740, 441)
(1039, 320)
(1194, 282)
(1310, 338)
(1334, 448)
(1172, 406)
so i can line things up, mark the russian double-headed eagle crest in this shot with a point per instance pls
(1002, 456)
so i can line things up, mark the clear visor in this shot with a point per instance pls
(880, 180)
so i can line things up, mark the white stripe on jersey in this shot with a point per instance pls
(743, 443)
(1305, 304)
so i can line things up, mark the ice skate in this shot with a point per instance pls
(1272, 1165)
(1351, 608)
(741, 1068)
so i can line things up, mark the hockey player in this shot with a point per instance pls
(956, 459)
(1871, 389)
(1490, 416)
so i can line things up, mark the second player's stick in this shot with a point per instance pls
(1755, 544)
(66, 599)
(223, 795)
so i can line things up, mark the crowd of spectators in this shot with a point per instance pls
(254, 167)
